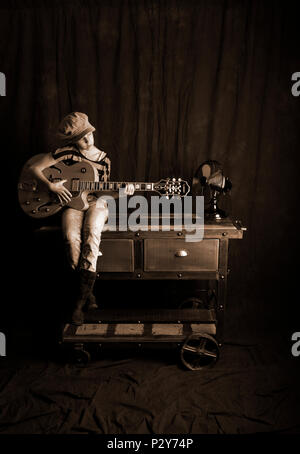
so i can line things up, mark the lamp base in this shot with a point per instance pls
(215, 214)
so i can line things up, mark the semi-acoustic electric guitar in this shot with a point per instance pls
(82, 179)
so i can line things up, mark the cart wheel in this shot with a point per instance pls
(80, 356)
(192, 303)
(199, 350)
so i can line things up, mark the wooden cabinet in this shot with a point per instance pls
(118, 255)
(158, 254)
(162, 255)
(174, 254)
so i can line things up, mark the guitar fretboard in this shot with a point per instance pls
(79, 185)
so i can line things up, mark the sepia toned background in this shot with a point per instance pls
(168, 85)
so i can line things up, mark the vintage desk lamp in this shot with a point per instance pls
(209, 176)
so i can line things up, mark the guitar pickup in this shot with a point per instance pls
(75, 184)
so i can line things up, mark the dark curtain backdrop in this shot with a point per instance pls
(169, 84)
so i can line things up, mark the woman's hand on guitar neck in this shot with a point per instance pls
(63, 194)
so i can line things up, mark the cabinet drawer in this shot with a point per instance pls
(179, 255)
(118, 256)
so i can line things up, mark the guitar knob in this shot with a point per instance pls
(179, 179)
(27, 202)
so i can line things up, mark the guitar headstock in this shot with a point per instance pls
(172, 187)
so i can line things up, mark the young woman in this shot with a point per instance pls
(81, 229)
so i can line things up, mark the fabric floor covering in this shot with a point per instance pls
(251, 389)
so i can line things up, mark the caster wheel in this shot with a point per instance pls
(80, 356)
(199, 351)
(192, 303)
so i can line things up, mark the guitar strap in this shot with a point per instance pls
(101, 162)
(67, 153)
(103, 166)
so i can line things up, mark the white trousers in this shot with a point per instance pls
(82, 234)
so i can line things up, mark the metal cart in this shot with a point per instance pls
(197, 331)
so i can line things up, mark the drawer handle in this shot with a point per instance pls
(181, 253)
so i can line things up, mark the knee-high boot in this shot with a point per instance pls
(86, 281)
(73, 278)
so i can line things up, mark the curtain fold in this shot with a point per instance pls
(168, 84)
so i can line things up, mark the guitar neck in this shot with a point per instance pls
(94, 186)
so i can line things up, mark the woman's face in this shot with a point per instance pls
(86, 142)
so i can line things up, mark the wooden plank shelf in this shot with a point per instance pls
(152, 316)
(134, 332)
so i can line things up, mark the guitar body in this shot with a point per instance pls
(82, 179)
(38, 202)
